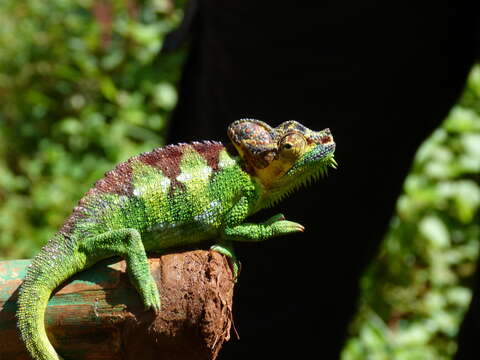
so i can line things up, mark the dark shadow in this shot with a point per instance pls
(382, 76)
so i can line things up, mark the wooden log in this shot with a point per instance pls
(97, 314)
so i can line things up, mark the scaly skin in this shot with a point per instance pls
(172, 196)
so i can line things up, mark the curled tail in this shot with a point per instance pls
(53, 265)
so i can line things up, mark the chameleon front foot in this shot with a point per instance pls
(280, 226)
(275, 226)
(288, 227)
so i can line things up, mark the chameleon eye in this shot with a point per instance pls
(292, 145)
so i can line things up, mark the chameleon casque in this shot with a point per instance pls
(172, 196)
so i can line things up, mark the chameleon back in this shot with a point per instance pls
(176, 192)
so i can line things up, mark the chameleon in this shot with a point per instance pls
(173, 196)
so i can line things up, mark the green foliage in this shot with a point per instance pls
(82, 88)
(417, 290)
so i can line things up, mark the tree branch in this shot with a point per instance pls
(99, 315)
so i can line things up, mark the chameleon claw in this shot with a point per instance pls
(227, 250)
(274, 219)
(155, 307)
(236, 267)
(151, 297)
(286, 227)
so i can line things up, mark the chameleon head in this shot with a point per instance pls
(284, 157)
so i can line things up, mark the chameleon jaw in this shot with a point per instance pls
(299, 176)
(324, 155)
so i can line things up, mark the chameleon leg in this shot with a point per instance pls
(235, 230)
(275, 226)
(226, 248)
(127, 243)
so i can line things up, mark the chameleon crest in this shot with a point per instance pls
(172, 196)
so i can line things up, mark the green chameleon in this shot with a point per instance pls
(172, 196)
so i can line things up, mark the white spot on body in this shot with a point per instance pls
(197, 173)
(164, 184)
(139, 190)
(209, 215)
(226, 160)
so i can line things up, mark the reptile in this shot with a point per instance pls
(173, 196)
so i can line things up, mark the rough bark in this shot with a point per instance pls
(99, 315)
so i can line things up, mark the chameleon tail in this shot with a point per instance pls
(53, 265)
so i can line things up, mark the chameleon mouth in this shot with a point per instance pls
(325, 154)
(310, 168)
(315, 162)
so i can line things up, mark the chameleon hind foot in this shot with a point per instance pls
(127, 243)
(227, 250)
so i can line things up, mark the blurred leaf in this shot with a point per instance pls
(418, 284)
(82, 87)
(435, 231)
